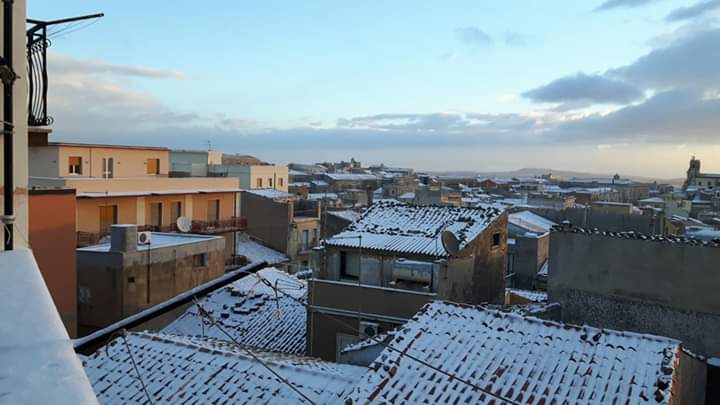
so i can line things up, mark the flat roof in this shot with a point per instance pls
(101, 145)
(158, 240)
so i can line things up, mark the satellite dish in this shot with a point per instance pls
(450, 242)
(184, 224)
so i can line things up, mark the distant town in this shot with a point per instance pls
(152, 275)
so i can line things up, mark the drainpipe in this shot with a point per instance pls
(8, 78)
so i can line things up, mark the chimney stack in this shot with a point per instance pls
(123, 238)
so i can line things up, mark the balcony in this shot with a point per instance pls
(201, 227)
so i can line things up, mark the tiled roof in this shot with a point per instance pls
(396, 227)
(348, 215)
(637, 236)
(183, 369)
(524, 359)
(251, 312)
(531, 295)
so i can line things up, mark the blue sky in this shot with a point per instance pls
(440, 86)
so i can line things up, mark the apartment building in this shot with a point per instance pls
(129, 184)
(283, 222)
(255, 176)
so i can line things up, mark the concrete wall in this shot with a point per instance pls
(52, 240)
(20, 131)
(528, 254)
(336, 308)
(296, 249)
(115, 285)
(627, 284)
(612, 222)
(268, 221)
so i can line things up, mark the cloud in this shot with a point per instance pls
(612, 4)
(423, 122)
(696, 10)
(62, 64)
(585, 88)
(473, 36)
(667, 117)
(692, 61)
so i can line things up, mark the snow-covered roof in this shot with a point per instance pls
(414, 229)
(350, 176)
(319, 183)
(530, 221)
(270, 193)
(348, 215)
(158, 240)
(37, 362)
(256, 252)
(407, 196)
(185, 369)
(252, 312)
(652, 200)
(702, 233)
(299, 184)
(530, 295)
(322, 196)
(523, 359)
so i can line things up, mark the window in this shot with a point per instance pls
(259, 183)
(306, 239)
(131, 279)
(496, 240)
(107, 166)
(153, 166)
(270, 182)
(175, 210)
(75, 165)
(213, 212)
(200, 260)
(281, 182)
(156, 214)
(315, 238)
(108, 217)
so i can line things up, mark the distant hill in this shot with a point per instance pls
(561, 174)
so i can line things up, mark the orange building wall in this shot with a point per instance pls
(52, 239)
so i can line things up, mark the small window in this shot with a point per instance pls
(496, 240)
(306, 239)
(131, 279)
(75, 165)
(153, 166)
(281, 182)
(259, 183)
(270, 182)
(107, 164)
(200, 260)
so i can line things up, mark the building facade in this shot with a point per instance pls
(123, 277)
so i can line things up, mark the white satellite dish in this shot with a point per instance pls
(184, 224)
(450, 242)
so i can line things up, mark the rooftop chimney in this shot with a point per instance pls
(123, 238)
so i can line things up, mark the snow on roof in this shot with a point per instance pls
(184, 369)
(530, 221)
(257, 252)
(531, 295)
(350, 176)
(299, 184)
(652, 200)
(544, 268)
(320, 183)
(348, 215)
(37, 360)
(524, 359)
(702, 233)
(414, 229)
(270, 193)
(252, 312)
(159, 240)
(322, 196)
(407, 196)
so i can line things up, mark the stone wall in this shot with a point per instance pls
(655, 287)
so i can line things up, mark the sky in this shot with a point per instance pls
(605, 86)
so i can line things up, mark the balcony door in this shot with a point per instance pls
(156, 214)
(108, 217)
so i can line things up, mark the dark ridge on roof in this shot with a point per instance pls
(630, 235)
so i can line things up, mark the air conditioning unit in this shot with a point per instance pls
(369, 329)
(144, 238)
